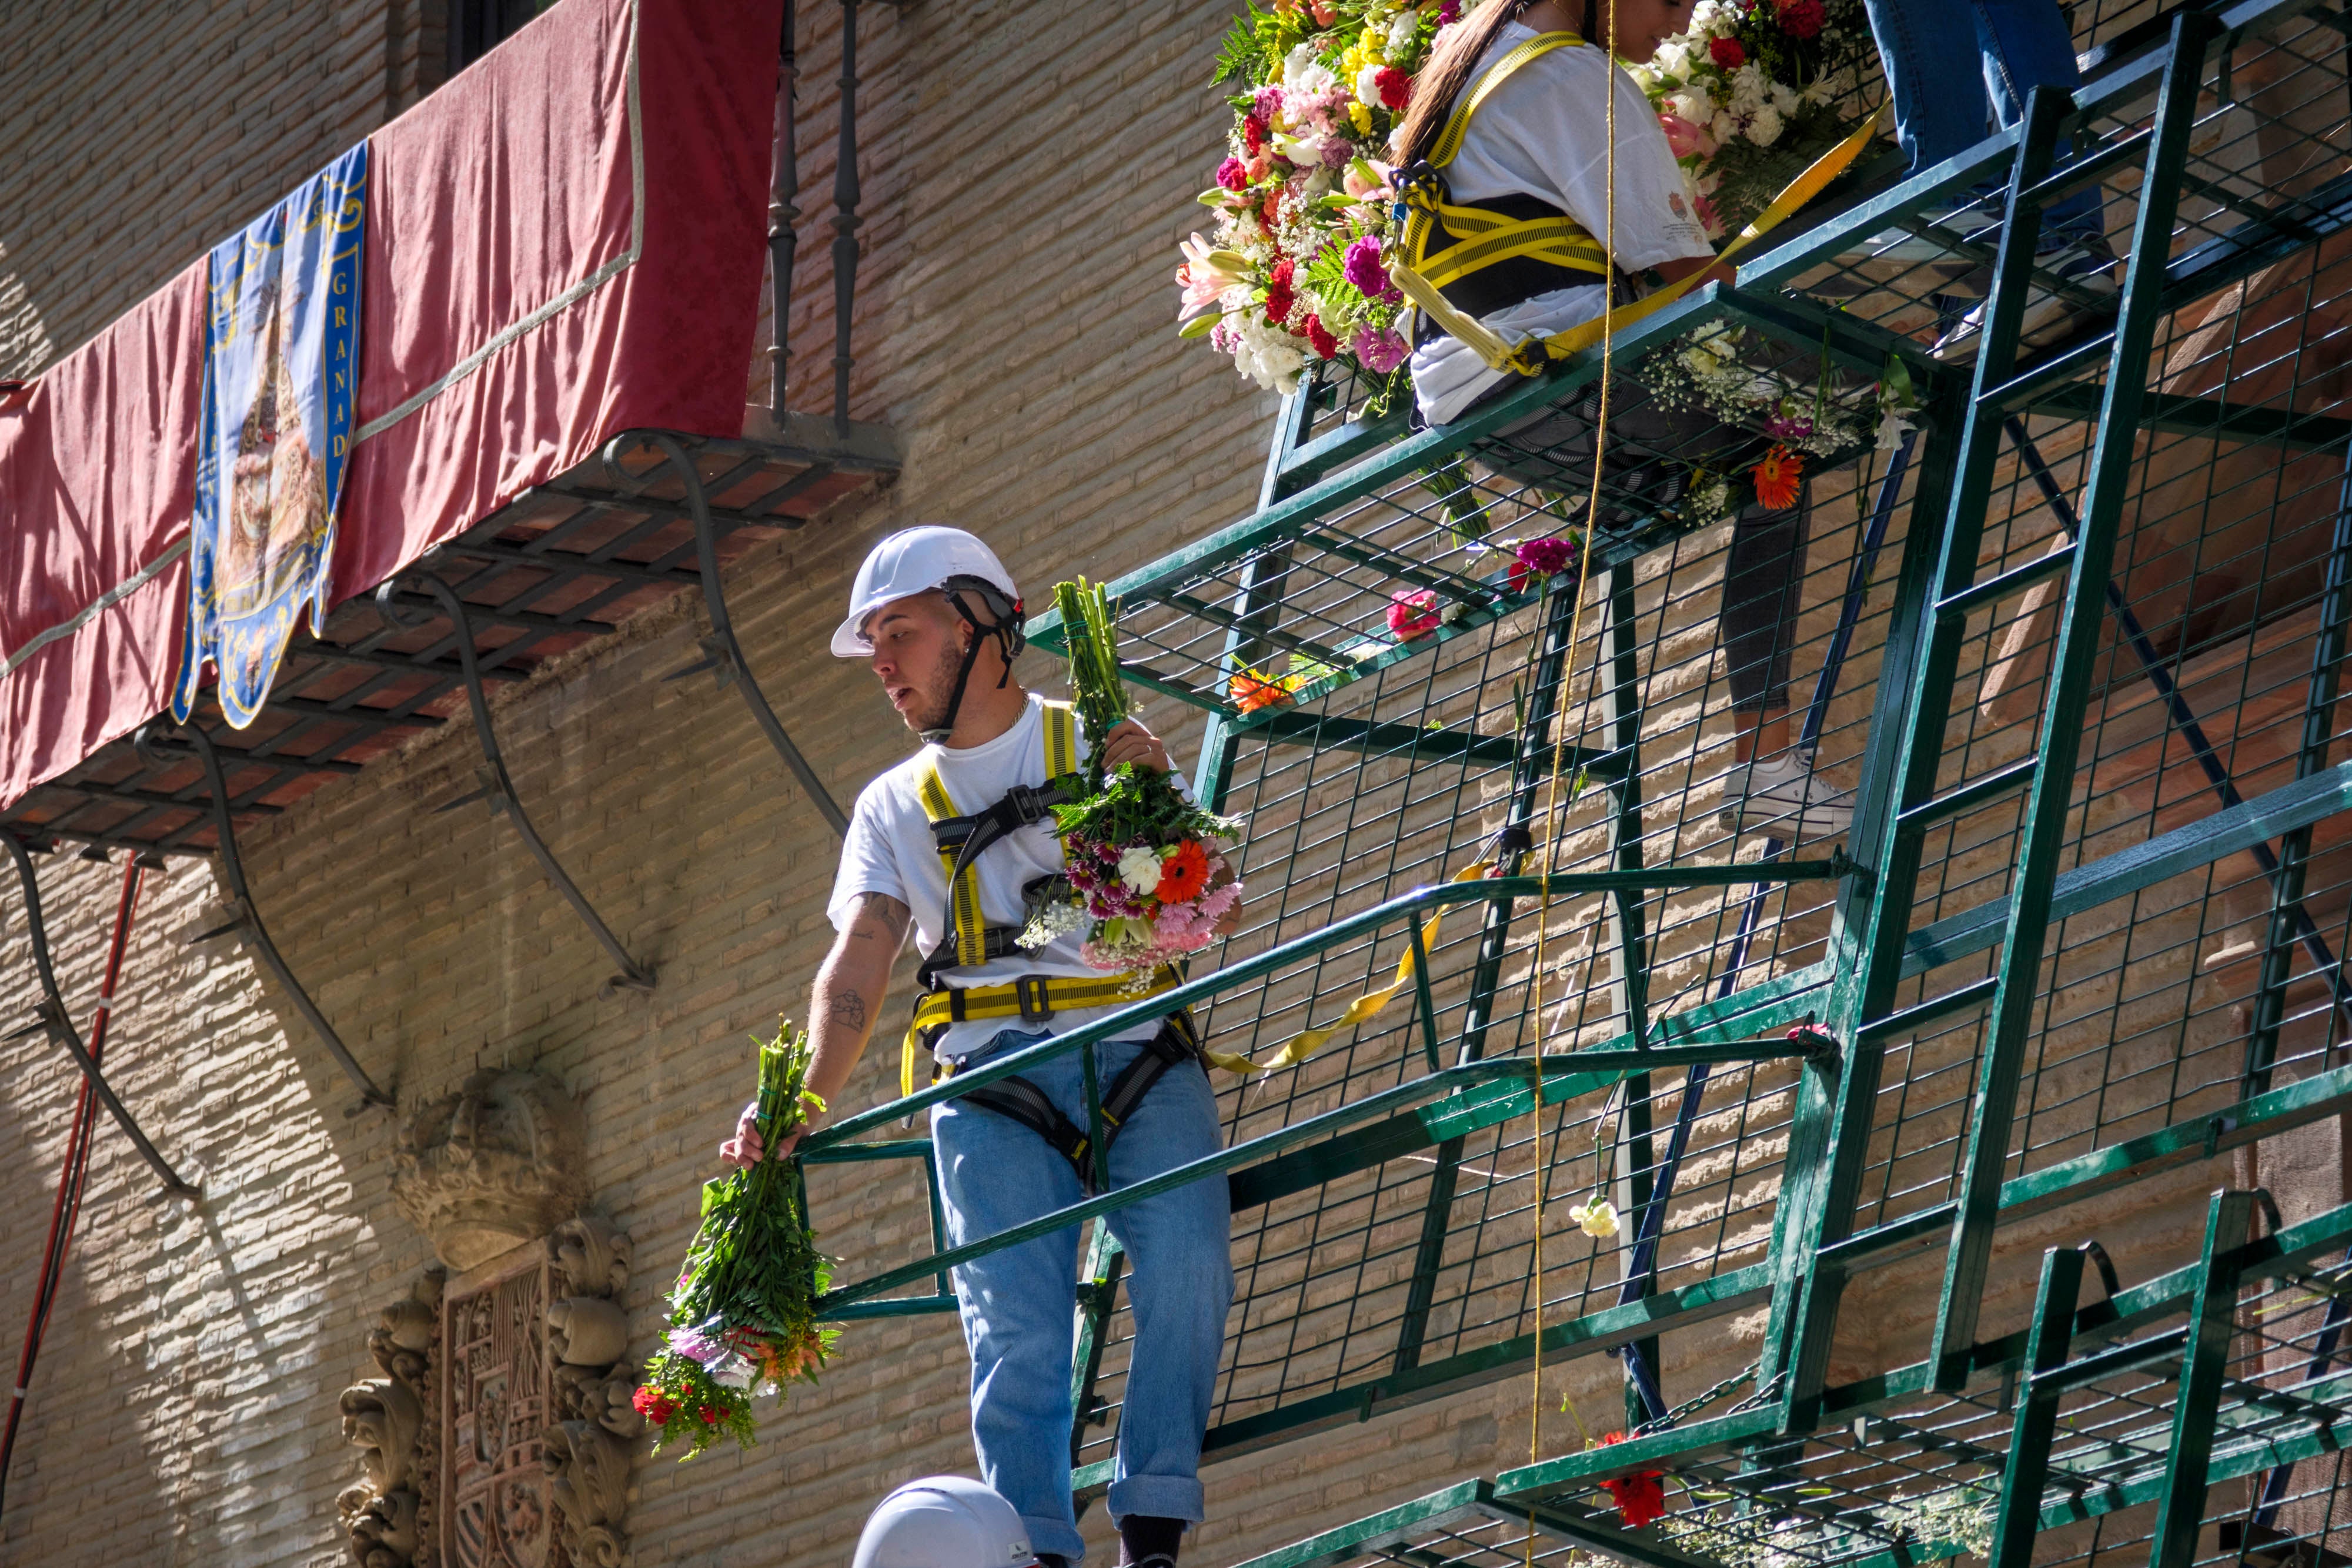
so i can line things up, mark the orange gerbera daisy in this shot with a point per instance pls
(1252, 691)
(1184, 873)
(1777, 479)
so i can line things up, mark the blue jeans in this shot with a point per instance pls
(1940, 111)
(1020, 1304)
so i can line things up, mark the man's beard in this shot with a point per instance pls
(937, 693)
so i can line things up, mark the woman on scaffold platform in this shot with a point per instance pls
(1510, 128)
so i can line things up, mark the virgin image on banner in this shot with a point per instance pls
(281, 344)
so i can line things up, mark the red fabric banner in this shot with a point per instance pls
(564, 243)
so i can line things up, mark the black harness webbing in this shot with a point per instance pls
(1019, 1100)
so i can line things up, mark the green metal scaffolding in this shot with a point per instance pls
(2075, 648)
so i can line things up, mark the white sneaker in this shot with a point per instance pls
(1892, 251)
(1784, 797)
(2049, 316)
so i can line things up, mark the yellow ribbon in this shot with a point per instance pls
(1308, 1041)
(1529, 355)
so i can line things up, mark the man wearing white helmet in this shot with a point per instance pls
(944, 1521)
(938, 618)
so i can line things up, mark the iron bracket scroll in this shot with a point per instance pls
(497, 785)
(721, 650)
(244, 917)
(60, 1025)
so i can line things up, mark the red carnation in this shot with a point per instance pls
(1396, 88)
(711, 1415)
(1321, 340)
(1726, 53)
(1232, 176)
(654, 1405)
(1802, 18)
(1278, 296)
(1253, 132)
(1639, 1497)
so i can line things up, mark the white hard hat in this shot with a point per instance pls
(916, 561)
(944, 1521)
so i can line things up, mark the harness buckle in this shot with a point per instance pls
(1035, 997)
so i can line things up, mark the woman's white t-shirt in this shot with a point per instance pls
(890, 850)
(1545, 132)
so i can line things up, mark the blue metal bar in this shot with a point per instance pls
(1650, 1227)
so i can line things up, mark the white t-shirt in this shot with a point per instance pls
(890, 850)
(1545, 132)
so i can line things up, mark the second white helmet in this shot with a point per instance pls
(944, 1521)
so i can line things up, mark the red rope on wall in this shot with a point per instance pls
(76, 1174)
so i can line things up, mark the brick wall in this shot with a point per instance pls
(1028, 167)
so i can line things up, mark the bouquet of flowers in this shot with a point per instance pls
(1147, 879)
(1297, 270)
(741, 1316)
(1779, 411)
(1752, 92)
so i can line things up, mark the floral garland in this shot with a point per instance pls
(1297, 271)
(1752, 92)
(742, 1315)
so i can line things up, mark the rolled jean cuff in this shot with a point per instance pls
(1158, 1497)
(1055, 1538)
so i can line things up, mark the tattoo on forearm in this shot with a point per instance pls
(848, 1009)
(885, 912)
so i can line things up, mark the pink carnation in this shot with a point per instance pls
(1361, 265)
(1232, 176)
(1265, 104)
(1380, 349)
(1413, 614)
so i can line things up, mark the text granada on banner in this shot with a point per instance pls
(281, 339)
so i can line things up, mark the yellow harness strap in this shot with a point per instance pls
(1060, 745)
(1484, 237)
(1530, 356)
(1308, 1041)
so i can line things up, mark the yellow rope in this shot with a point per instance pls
(1553, 814)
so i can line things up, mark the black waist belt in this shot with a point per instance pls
(1017, 1099)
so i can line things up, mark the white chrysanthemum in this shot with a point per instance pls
(1722, 128)
(1368, 87)
(1401, 32)
(1764, 126)
(1139, 869)
(1784, 99)
(1302, 73)
(1750, 88)
(1691, 104)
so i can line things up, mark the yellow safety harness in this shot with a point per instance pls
(1032, 999)
(1447, 242)
(1530, 356)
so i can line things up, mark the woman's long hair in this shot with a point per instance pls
(1441, 81)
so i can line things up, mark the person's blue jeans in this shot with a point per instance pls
(1941, 111)
(1020, 1305)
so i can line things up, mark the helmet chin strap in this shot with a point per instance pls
(1007, 633)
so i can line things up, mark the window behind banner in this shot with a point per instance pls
(477, 27)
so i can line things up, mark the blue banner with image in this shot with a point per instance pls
(281, 362)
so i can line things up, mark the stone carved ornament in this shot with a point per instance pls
(392, 1516)
(492, 1166)
(390, 1420)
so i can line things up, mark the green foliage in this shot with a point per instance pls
(1137, 805)
(743, 1312)
(1090, 633)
